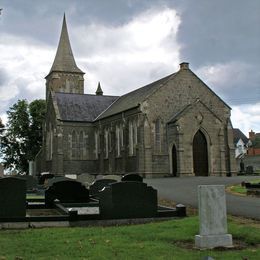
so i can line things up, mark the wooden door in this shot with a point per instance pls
(200, 154)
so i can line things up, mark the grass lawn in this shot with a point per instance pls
(238, 189)
(162, 240)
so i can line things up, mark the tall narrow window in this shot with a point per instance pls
(118, 145)
(96, 144)
(74, 145)
(121, 136)
(131, 141)
(51, 143)
(157, 136)
(135, 133)
(106, 143)
(81, 145)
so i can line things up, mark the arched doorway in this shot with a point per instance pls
(174, 161)
(200, 154)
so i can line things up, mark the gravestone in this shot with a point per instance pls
(112, 177)
(12, 197)
(213, 217)
(66, 191)
(132, 177)
(86, 179)
(49, 182)
(98, 185)
(249, 170)
(128, 200)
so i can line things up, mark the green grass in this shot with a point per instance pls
(161, 240)
(31, 196)
(241, 190)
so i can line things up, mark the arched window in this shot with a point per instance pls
(97, 145)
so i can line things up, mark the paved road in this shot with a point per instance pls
(184, 190)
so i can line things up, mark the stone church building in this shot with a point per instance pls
(174, 126)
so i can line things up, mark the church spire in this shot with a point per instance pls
(64, 76)
(99, 91)
(64, 60)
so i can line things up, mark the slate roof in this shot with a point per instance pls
(134, 98)
(237, 134)
(64, 60)
(81, 107)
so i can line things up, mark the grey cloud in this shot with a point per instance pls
(4, 77)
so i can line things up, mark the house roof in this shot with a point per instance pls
(81, 107)
(134, 98)
(64, 60)
(237, 134)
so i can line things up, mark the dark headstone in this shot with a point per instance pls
(249, 170)
(49, 182)
(12, 197)
(128, 200)
(66, 191)
(44, 177)
(249, 185)
(132, 177)
(98, 185)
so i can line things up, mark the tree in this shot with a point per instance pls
(1, 127)
(22, 138)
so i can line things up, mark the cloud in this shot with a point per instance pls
(121, 57)
(25, 66)
(234, 81)
(136, 53)
(246, 117)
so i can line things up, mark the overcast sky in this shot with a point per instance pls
(126, 44)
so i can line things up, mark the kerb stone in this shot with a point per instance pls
(213, 217)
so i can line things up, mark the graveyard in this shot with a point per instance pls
(61, 201)
(97, 218)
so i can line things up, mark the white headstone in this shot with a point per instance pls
(212, 217)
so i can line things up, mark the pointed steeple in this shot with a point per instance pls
(64, 76)
(64, 60)
(99, 91)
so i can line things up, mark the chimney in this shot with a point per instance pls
(251, 135)
(184, 66)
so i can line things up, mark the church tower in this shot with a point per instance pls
(64, 75)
